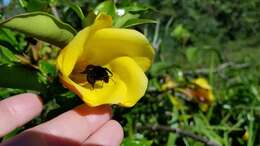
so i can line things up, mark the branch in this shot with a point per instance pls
(181, 132)
(220, 68)
(2, 7)
(55, 11)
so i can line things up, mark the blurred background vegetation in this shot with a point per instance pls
(204, 84)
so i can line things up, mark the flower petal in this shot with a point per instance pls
(109, 93)
(126, 86)
(202, 82)
(72, 52)
(109, 43)
(133, 77)
(126, 53)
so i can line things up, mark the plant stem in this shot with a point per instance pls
(181, 132)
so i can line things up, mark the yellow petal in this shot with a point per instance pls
(110, 93)
(211, 97)
(203, 83)
(125, 87)
(109, 43)
(245, 136)
(132, 75)
(126, 53)
(72, 52)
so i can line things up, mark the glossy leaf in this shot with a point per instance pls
(136, 142)
(42, 26)
(159, 68)
(107, 7)
(12, 40)
(12, 134)
(34, 5)
(47, 68)
(8, 36)
(20, 77)
(77, 10)
(89, 19)
(121, 21)
(191, 53)
(137, 7)
(6, 56)
(172, 137)
(180, 33)
(137, 21)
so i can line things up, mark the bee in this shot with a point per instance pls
(97, 73)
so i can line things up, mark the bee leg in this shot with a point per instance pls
(83, 84)
(93, 84)
(112, 80)
(111, 74)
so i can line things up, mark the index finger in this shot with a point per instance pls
(18, 110)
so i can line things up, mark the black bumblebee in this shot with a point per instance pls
(97, 73)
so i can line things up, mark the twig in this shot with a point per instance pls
(180, 132)
(2, 7)
(168, 24)
(220, 68)
(156, 40)
(55, 11)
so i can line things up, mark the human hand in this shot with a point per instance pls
(82, 126)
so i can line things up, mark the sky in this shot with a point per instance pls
(6, 2)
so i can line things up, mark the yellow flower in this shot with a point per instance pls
(246, 135)
(204, 92)
(201, 93)
(169, 83)
(122, 55)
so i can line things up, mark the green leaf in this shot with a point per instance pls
(42, 26)
(47, 68)
(121, 21)
(191, 54)
(34, 5)
(159, 68)
(12, 134)
(136, 142)
(108, 7)
(137, 7)
(8, 35)
(77, 10)
(8, 45)
(11, 40)
(137, 21)
(89, 19)
(180, 33)
(20, 77)
(7, 57)
(171, 139)
(23, 3)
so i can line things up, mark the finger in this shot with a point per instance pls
(110, 134)
(76, 125)
(18, 110)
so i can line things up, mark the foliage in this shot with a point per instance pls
(217, 40)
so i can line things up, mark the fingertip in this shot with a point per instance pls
(18, 110)
(109, 134)
(119, 129)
